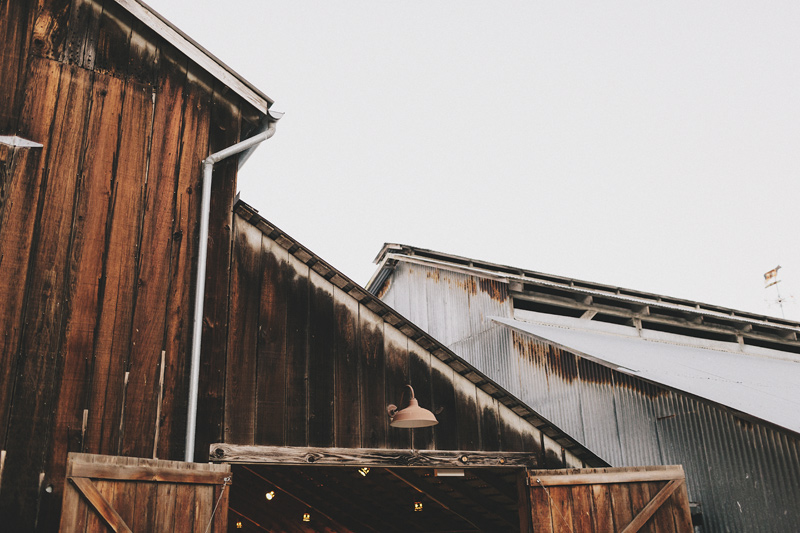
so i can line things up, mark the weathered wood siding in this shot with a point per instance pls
(309, 365)
(144, 495)
(98, 243)
(626, 500)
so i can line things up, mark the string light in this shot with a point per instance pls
(417, 507)
(306, 517)
(363, 471)
(270, 495)
(238, 525)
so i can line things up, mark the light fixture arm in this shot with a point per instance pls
(392, 408)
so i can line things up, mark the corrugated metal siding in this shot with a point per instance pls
(490, 352)
(423, 294)
(746, 476)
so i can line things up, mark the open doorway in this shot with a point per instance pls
(349, 498)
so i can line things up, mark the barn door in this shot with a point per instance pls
(106, 493)
(626, 500)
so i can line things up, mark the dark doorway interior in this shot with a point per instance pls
(341, 499)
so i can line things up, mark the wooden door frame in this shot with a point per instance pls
(83, 469)
(371, 457)
(521, 462)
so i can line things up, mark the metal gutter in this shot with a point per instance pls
(200, 284)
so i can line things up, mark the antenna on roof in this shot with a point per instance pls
(770, 280)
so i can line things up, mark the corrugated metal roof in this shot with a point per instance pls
(761, 383)
(391, 253)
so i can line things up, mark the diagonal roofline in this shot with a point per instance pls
(415, 333)
(197, 53)
(521, 279)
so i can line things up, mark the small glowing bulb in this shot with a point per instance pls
(363, 471)
(306, 517)
(270, 495)
(238, 525)
(417, 506)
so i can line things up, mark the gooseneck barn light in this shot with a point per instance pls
(412, 416)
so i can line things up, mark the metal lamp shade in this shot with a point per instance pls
(413, 416)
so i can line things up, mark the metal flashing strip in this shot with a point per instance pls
(525, 277)
(18, 142)
(197, 53)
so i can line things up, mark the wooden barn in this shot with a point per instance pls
(110, 207)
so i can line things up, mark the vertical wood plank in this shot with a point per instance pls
(682, 514)
(321, 363)
(39, 363)
(149, 315)
(620, 504)
(185, 505)
(541, 515)
(582, 515)
(74, 510)
(117, 288)
(524, 502)
(203, 506)
(113, 41)
(347, 356)
(166, 510)
(562, 509)
(640, 496)
(18, 214)
(419, 364)
(297, 309)
(80, 47)
(84, 268)
(211, 404)
(245, 289)
(552, 453)
(444, 406)
(221, 517)
(183, 259)
(603, 516)
(271, 379)
(510, 437)
(489, 424)
(16, 24)
(396, 350)
(468, 419)
(145, 513)
(16, 227)
(373, 392)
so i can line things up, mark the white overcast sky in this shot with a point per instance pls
(649, 145)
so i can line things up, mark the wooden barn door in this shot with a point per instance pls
(626, 500)
(106, 493)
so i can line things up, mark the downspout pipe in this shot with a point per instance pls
(200, 284)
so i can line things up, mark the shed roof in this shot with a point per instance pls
(618, 304)
(415, 333)
(759, 382)
(197, 53)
